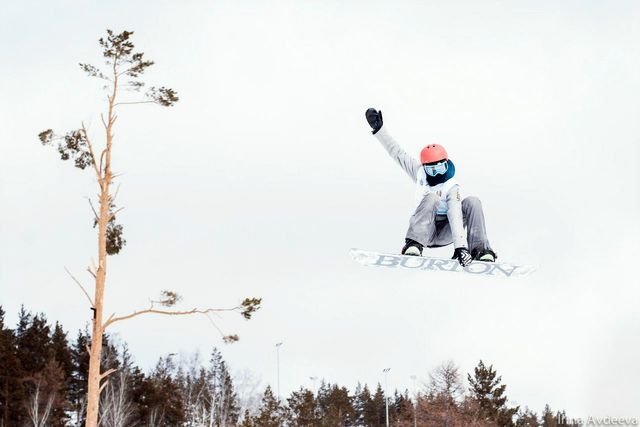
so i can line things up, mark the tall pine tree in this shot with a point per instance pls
(225, 408)
(302, 408)
(60, 353)
(401, 412)
(335, 405)
(33, 338)
(488, 392)
(12, 393)
(526, 418)
(375, 410)
(271, 414)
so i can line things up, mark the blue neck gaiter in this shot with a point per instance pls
(439, 179)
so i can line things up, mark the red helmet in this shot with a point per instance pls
(433, 153)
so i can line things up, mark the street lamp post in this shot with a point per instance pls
(386, 397)
(278, 366)
(314, 383)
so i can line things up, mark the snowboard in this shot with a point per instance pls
(479, 268)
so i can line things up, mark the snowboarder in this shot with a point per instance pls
(442, 213)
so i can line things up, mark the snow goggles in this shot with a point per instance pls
(434, 169)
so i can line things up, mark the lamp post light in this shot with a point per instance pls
(386, 397)
(278, 366)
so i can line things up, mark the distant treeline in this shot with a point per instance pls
(43, 379)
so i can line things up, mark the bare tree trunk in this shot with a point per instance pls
(156, 417)
(93, 393)
(95, 376)
(40, 419)
(115, 407)
(80, 412)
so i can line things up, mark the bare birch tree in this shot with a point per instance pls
(445, 381)
(248, 386)
(46, 393)
(208, 395)
(191, 379)
(124, 68)
(156, 417)
(40, 404)
(443, 394)
(116, 408)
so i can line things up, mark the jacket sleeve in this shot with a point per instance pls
(454, 215)
(409, 164)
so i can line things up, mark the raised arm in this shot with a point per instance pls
(408, 163)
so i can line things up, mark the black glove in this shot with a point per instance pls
(375, 119)
(463, 256)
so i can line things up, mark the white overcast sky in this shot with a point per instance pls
(265, 173)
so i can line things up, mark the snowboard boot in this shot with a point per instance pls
(412, 248)
(486, 255)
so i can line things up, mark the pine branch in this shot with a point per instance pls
(104, 123)
(93, 157)
(214, 324)
(112, 319)
(103, 386)
(107, 373)
(134, 102)
(102, 155)
(81, 287)
(93, 209)
(115, 195)
(113, 215)
(93, 268)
